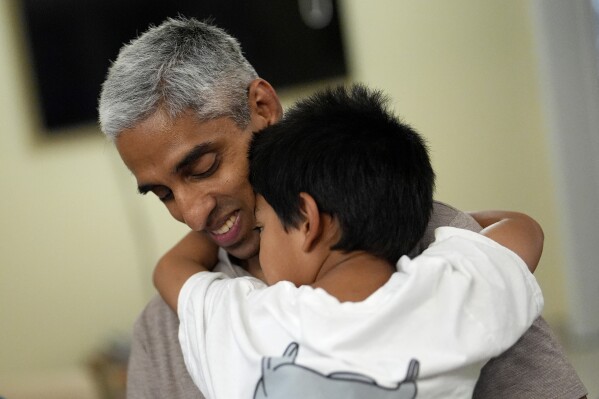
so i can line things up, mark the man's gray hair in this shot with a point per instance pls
(179, 65)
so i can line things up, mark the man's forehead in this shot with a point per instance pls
(183, 130)
(160, 146)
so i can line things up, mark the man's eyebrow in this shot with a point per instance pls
(193, 155)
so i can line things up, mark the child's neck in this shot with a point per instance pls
(352, 277)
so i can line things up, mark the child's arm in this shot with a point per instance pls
(513, 230)
(194, 253)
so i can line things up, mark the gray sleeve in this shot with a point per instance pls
(535, 367)
(156, 369)
(443, 215)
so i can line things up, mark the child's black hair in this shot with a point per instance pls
(362, 166)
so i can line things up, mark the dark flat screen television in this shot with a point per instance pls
(72, 43)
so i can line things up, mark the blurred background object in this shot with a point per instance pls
(72, 43)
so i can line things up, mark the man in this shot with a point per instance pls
(181, 103)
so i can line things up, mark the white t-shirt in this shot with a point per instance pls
(425, 333)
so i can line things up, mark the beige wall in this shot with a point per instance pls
(77, 244)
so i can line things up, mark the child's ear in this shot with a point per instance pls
(311, 225)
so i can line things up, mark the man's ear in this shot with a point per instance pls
(311, 225)
(265, 107)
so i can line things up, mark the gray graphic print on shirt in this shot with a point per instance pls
(282, 378)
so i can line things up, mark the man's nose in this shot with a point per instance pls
(195, 209)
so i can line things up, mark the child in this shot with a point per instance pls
(344, 190)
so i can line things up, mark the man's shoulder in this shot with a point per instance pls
(444, 215)
(157, 308)
(535, 367)
(156, 367)
(156, 313)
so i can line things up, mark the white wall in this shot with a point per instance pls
(77, 244)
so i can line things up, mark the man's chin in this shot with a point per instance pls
(246, 249)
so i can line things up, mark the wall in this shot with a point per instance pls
(73, 271)
(77, 244)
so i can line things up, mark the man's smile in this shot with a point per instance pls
(228, 233)
(226, 226)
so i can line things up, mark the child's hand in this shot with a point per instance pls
(516, 231)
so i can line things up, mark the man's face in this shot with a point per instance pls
(198, 169)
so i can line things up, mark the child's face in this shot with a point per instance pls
(281, 255)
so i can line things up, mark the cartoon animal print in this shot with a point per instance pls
(283, 379)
